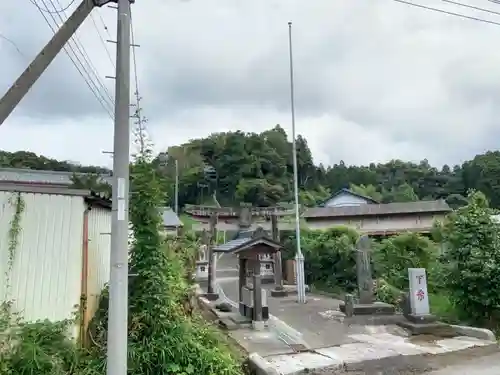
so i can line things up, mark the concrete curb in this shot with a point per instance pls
(260, 366)
(478, 333)
(289, 334)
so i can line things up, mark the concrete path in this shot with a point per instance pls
(385, 352)
(317, 324)
(333, 343)
(489, 365)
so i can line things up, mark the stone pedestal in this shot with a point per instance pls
(434, 328)
(366, 305)
(246, 306)
(375, 308)
(416, 310)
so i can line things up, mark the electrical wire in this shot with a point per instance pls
(104, 25)
(103, 42)
(80, 67)
(55, 11)
(81, 49)
(13, 44)
(134, 57)
(471, 7)
(460, 15)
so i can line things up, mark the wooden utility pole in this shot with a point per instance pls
(278, 267)
(42, 61)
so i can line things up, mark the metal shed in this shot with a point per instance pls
(59, 254)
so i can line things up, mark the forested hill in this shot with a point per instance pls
(257, 168)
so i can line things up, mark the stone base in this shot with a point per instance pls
(247, 311)
(211, 296)
(435, 329)
(234, 321)
(291, 289)
(240, 319)
(279, 292)
(266, 280)
(421, 319)
(258, 325)
(376, 308)
(228, 324)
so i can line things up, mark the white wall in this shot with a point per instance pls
(345, 199)
(379, 224)
(98, 255)
(46, 276)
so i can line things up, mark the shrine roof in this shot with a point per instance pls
(240, 244)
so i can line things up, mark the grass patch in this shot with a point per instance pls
(442, 307)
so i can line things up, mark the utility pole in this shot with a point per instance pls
(118, 284)
(211, 294)
(27, 79)
(176, 186)
(299, 257)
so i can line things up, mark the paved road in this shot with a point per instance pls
(488, 365)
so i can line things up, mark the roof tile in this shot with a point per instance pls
(378, 209)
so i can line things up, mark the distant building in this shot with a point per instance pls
(366, 215)
(34, 177)
(170, 221)
(346, 197)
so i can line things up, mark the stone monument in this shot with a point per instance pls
(366, 304)
(202, 263)
(416, 308)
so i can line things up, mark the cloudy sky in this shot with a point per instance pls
(375, 79)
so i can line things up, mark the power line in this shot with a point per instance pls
(13, 44)
(55, 11)
(134, 57)
(103, 42)
(140, 120)
(471, 7)
(88, 80)
(464, 16)
(104, 24)
(81, 49)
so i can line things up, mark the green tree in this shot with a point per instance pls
(259, 192)
(394, 255)
(472, 260)
(367, 190)
(236, 156)
(329, 256)
(400, 193)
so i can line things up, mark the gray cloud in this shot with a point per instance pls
(61, 92)
(374, 80)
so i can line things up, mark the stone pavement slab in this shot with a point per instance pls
(488, 365)
(291, 364)
(316, 321)
(389, 351)
(264, 343)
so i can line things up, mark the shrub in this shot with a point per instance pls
(329, 256)
(40, 348)
(394, 255)
(163, 337)
(471, 262)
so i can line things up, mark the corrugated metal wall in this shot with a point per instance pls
(98, 258)
(46, 276)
